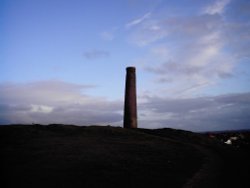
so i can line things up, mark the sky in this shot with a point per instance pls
(64, 61)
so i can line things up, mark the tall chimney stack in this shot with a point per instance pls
(130, 107)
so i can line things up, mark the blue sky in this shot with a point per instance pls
(64, 62)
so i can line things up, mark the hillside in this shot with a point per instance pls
(97, 156)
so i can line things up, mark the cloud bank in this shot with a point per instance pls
(224, 112)
(55, 102)
(47, 102)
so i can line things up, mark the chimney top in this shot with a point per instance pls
(130, 68)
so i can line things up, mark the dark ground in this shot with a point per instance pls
(71, 156)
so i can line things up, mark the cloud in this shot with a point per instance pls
(231, 111)
(237, 38)
(138, 21)
(174, 68)
(148, 33)
(43, 92)
(176, 28)
(48, 102)
(217, 7)
(195, 49)
(109, 36)
(95, 54)
(55, 102)
(41, 108)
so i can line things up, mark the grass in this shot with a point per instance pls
(96, 156)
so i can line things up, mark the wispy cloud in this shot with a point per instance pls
(105, 35)
(197, 56)
(204, 46)
(95, 54)
(109, 35)
(138, 21)
(217, 7)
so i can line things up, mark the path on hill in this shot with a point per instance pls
(223, 166)
(210, 171)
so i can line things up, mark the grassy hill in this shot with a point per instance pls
(97, 156)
